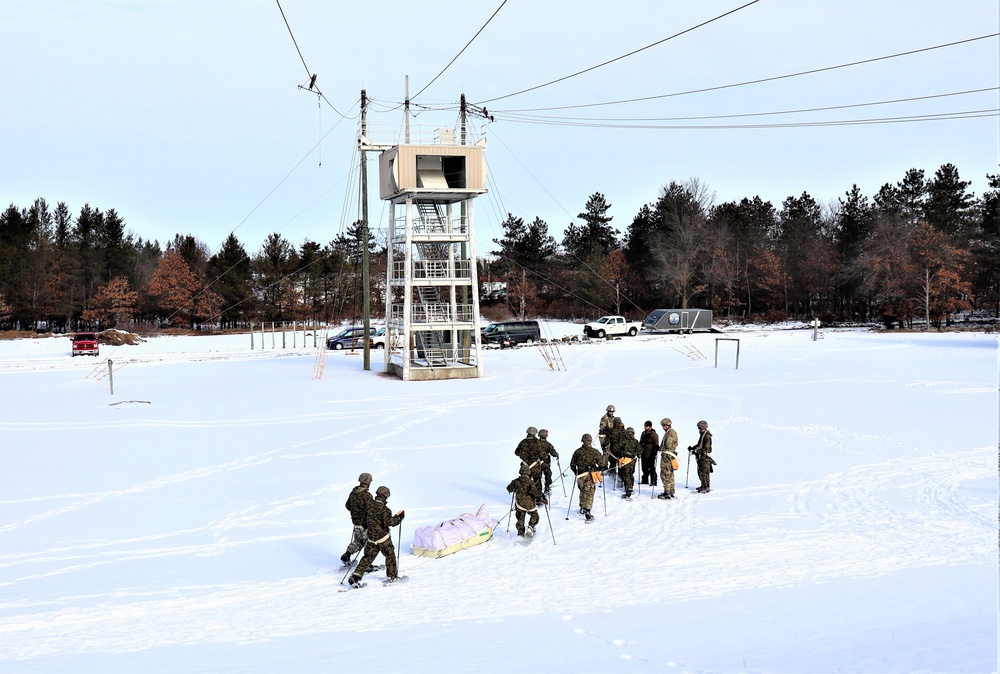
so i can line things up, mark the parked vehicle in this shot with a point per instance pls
(612, 326)
(510, 333)
(349, 338)
(85, 344)
(378, 340)
(679, 320)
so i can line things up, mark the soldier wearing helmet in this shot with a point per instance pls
(546, 451)
(526, 496)
(614, 447)
(357, 504)
(585, 463)
(702, 451)
(380, 523)
(606, 421)
(530, 451)
(668, 450)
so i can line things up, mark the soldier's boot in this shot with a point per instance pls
(587, 515)
(529, 532)
(664, 496)
(345, 558)
(354, 581)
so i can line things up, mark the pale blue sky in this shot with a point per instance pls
(184, 116)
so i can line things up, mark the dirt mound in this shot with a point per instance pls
(119, 337)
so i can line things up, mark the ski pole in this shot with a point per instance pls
(399, 547)
(604, 492)
(570, 505)
(509, 512)
(561, 481)
(549, 518)
(688, 470)
(350, 566)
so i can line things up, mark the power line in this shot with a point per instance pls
(757, 81)
(619, 58)
(460, 52)
(941, 116)
(519, 117)
(311, 75)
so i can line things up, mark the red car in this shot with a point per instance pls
(85, 344)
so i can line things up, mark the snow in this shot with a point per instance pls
(193, 520)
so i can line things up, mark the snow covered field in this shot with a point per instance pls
(196, 525)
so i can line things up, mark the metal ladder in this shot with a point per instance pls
(433, 297)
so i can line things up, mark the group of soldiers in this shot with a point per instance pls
(619, 452)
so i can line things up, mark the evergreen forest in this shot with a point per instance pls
(922, 251)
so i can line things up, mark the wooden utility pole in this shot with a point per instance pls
(466, 341)
(365, 276)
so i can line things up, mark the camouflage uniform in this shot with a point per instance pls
(586, 460)
(629, 449)
(357, 504)
(616, 443)
(703, 453)
(546, 451)
(606, 423)
(526, 494)
(380, 521)
(668, 451)
(650, 443)
(530, 452)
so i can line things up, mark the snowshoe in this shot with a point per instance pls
(627, 496)
(529, 532)
(345, 559)
(663, 497)
(395, 581)
(353, 584)
(589, 518)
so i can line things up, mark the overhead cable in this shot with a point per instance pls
(757, 81)
(460, 52)
(619, 58)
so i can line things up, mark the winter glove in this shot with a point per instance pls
(401, 514)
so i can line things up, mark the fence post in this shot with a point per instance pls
(251, 335)
(111, 376)
(283, 325)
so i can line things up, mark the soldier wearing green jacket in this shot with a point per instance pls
(526, 495)
(380, 522)
(586, 460)
(530, 452)
(546, 452)
(629, 451)
(668, 450)
(702, 451)
(357, 504)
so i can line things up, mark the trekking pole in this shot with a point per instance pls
(561, 481)
(549, 518)
(350, 567)
(399, 547)
(604, 492)
(509, 512)
(570, 505)
(688, 470)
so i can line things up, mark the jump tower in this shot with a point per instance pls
(432, 298)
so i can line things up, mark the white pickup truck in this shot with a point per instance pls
(612, 326)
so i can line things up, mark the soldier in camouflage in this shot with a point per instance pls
(526, 495)
(668, 451)
(616, 444)
(702, 451)
(380, 522)
(650, 443)
(626, 461)
(546, 452)
(357, 505)
(530, 452)
(602, 430)
(586, 460)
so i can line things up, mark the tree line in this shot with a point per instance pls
(921, 249)
(63, 273)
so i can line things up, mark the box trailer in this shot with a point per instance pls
(679, 320)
